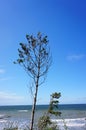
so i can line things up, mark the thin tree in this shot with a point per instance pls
(44, 122)
(53, 106)
(35, 58)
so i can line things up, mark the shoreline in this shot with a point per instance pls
(69, 124)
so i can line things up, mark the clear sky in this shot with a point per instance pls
(64, 22)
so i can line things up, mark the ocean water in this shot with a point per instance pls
(22, 114)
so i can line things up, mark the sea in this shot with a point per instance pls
(21, 115)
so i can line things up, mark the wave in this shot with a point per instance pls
(22, 110)
(3, 121)
(70, 124)
(73, 124)
(4, 116)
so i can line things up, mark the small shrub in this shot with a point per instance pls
(43, 122)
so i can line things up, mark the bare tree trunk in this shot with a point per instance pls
(34, 106)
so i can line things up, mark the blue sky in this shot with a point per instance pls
(64, 21)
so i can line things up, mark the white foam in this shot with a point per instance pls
(23, 111)
(72, 124)
(1, 115)
(3, 121)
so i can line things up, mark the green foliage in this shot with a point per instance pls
(53, 106)
(56, 95)
(43, 122)
(35, 55)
